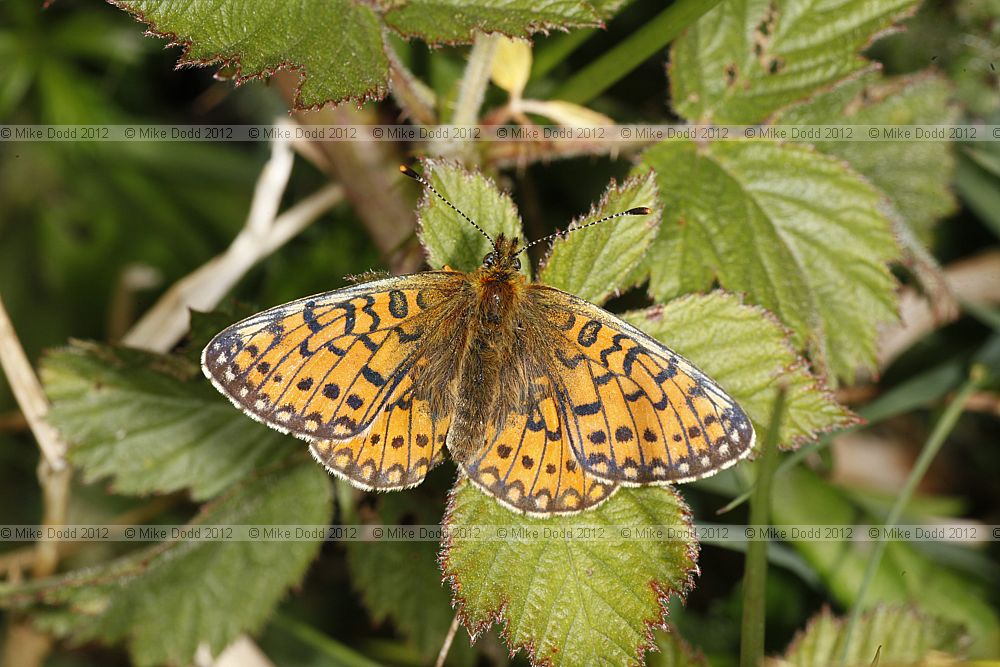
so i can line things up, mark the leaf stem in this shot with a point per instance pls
(941, 431)
(755, 575)
(554, 50)
(472, 88)
(611, 67)
(448, 639)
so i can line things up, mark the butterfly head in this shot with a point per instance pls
(503, 258)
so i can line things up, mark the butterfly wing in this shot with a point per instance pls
(641, 413)
(529, 465)
(395, 452)
(325, 367)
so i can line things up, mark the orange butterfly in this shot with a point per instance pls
(545, 401)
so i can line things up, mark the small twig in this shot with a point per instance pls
(264, 232)
(448, 639)
(414, 97)
(28, 393)
(476, 78)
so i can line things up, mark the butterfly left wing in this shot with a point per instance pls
(643, 412)
(324, 367)
(402, 444)
(529, 466)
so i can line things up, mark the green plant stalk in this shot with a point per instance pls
(610, 68)
(476, 78)
(556, 50)
(941, 431)
(755, 575)
(337, 653)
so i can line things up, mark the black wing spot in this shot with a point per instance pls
(587, 409)
(372, 376)
(623, 434)
(355, 401)
(588, 333)
(648, 435)
(398, 305)
(331, 391)
(598, 437)
(305, 384)
(503, 451)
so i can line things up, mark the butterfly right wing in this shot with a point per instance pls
(325, 367)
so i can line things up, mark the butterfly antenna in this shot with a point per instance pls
(406, 171)
(639, 210)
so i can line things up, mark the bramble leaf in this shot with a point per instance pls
(744, 60)
(595, 263)
(451, 240)
(796, 231)
(152, 423)
(890, 635)
(458, 20)
(338, 47)
(916, 175)
(568, 595)
(747, 352)
(166, 601)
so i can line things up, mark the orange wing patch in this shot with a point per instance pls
(396, 452)
(323, 367)
(529, 465)
(643, 413)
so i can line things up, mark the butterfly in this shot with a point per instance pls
(544, 400)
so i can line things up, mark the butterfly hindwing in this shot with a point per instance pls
(643, 413)
(396, 451)
(529, 465)
(324, 367)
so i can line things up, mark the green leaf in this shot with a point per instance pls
(796, 231)
(563, 599)
(166, 601)
(448, 238)
(400, 580)
(747, 352)
(916, 175)
(458, 20)
(336, 45)
(596, 263)
(894, 635)
(746, 59)
(152, 423)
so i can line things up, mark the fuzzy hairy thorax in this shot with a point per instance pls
(492, 321)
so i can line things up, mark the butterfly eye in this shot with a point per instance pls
(517, 264)
(490, 259)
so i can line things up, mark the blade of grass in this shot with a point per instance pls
(943, 428)
(337, 653)
(611, 67)
(755, 574)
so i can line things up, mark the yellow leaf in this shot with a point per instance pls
(512, 65)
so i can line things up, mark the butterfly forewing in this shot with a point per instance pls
(324, 367)
(641, 413)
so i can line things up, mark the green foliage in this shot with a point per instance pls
(152, 423)
(796, 231)
(887, 635)
(594, 264)
(259, 39)
(745, 60)
(563, 596)
(914, 175)
(167, 600)
(448, 238)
